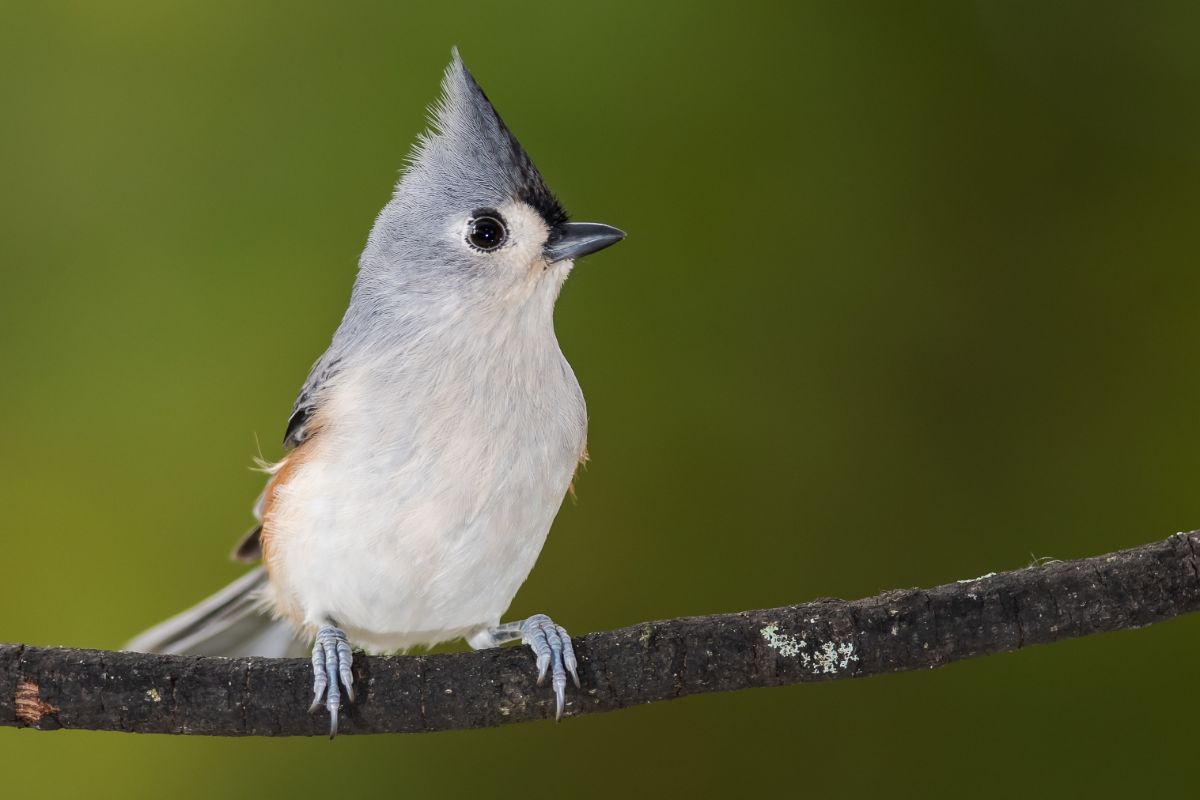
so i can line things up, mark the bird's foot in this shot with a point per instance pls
(331, 662)
(551, 646)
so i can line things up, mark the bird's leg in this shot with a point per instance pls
(551, 647)
(331, 662)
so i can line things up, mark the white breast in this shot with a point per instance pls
(421, 506)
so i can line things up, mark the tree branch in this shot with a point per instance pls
(51, 688)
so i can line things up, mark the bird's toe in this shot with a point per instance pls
(551, 645)
(332, 662)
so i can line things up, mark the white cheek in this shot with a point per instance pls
(527, 235)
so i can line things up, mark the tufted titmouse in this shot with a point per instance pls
(433, 442)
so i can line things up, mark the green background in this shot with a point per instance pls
(908, 296)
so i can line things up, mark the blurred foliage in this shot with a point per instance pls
(907, 297)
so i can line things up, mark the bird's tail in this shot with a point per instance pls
(231, 622)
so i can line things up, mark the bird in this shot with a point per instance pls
(434, 441)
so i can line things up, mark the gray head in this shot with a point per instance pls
(471, 218)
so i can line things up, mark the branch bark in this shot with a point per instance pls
(52, 688)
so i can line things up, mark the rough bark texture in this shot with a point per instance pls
(49, 688)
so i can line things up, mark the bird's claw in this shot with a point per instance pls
(555, 655)
(331, 662)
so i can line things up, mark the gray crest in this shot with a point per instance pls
(470, 158)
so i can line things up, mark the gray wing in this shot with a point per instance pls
(308, 401)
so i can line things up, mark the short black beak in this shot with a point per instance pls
(577, 239)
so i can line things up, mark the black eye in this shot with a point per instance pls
(486, 231)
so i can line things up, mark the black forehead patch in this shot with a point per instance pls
(538, 195)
